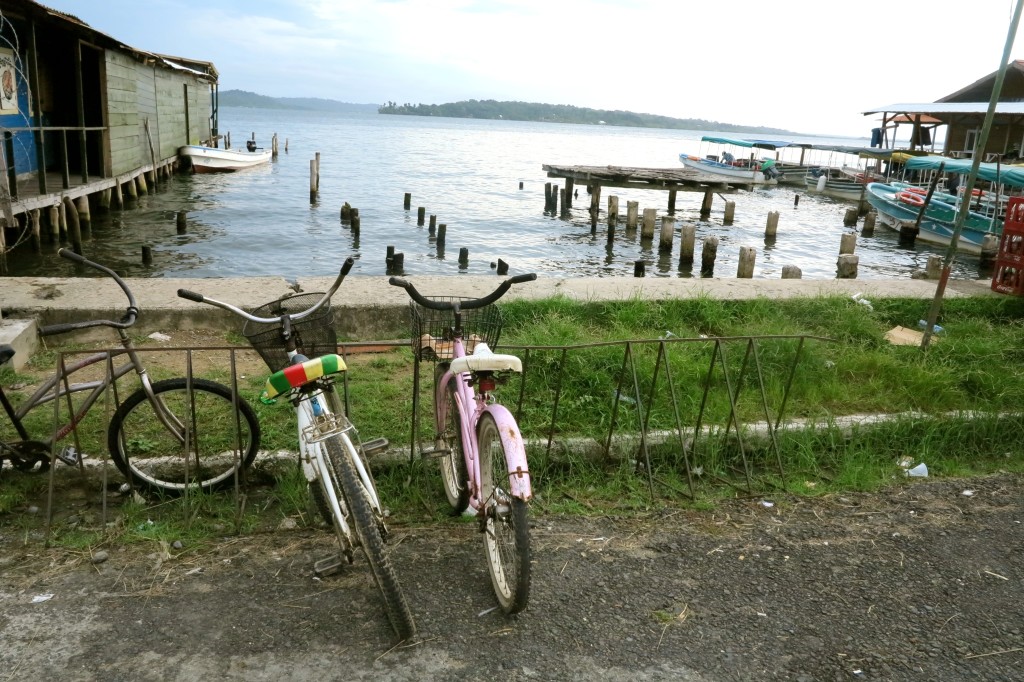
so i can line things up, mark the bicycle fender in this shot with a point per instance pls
(518, 470)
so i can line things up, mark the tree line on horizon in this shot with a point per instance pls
(562, 113)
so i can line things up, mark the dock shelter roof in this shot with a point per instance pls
(945, 110)
(760, 144)
(992, 172)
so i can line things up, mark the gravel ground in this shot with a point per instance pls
(923, 581)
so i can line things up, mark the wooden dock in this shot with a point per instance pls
(672, 180)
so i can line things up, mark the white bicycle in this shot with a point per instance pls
(295, 337)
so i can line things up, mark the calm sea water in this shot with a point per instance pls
(468, 174)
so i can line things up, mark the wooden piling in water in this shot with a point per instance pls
(182, 222)
(407, 203)
(565, 203)
(140, 181)
(847, 242)
(687, 239)
(672, 201)
(503, 267)
(791, 272)
(147, 255)
(668, 230)
(318, 172)
(638, 268)
(745, 267)
(84, 215)
(908, 232)
(421, 215)
(705, 206)
(632, 211)
(647, 228)
(850, 218)
(354, 222)
(133, 192)
(463, 256)
(74, 227)
(846, 266)
(707, 256)
(771, 226)
(34, 221)
(730, 212)
(933, 269)
(433, 223)
(105, 199)
(868, 228)
(312, 181)
(441, 229)
(54, 224)
(346, 211)
(118, 199)
(62, 220)
(613, 209)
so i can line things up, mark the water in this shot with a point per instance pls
(467, 173)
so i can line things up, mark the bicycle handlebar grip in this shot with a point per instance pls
(190, 295)
(63, 328)
(71, 255)
(519, 279)
(349, 262)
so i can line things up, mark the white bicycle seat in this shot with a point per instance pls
(483, 360)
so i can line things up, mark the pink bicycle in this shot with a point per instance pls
(481, 452)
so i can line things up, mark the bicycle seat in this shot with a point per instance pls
(300, 375)
(6, 352)
(483, 360)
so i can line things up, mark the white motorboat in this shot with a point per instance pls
(215, 160)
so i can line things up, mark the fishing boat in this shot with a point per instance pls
(834, 183)
(215, 160)
(744, 164)
(900, 204)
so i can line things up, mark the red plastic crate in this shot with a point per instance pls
(1008, 278)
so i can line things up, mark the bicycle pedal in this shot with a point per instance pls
(70, 456)
(328, 566)
(435, 453)
(372, 447)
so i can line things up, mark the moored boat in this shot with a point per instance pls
(215, 160)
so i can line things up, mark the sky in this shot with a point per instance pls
(810, 67)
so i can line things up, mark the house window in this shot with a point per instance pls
(970, 140)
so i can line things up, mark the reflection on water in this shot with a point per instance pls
(467, 174)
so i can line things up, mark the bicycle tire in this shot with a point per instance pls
(454, 474)
(150, 457)
(506, 533)
(367, 523)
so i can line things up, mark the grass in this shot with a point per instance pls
(959, 403)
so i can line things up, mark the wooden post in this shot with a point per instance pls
(796, 202)
(638, 268)
(318, 171)
(672, 201)
(150, 176)
(441, 229)
(503, 266)
(848, 242)
(613, 209)
(908, 232)
(846, 266)
(632, 211)
(730, 212)
(312, 181)
(273, 146)
(140, 180)
(118, 197)
(868, 228)
(354, 223)
(62, 211)
(105, 199)
(133, 192)
(398, 263)
(565, 202)
(705, 207)
(147, 255)
(421, 213)
(771, 226)
(647, 229)
(74, 228)
(54, 223)
(569, 185)
(668, 229)
(520, 185)
(34, 221)
(850, 219)
(708, 255)
(463, 256)
(407, 204)
(182, 222)
(745, 268)
(433, 223)
(933, 270)
(346, 211)
(791, 272)
(687, 237)
(547, 197)
(84, 216)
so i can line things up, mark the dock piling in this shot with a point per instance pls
(868, 228)
(668, 230)
(730, 212)
(707, 256)
(846, 266)
(745, 267)
(791, 272)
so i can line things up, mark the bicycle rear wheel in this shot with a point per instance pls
(368, 522)
(453, 465)
(506, 533)
(153, 457)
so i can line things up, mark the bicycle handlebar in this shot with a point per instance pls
(468, 304)
(131, 314)
(199, 298)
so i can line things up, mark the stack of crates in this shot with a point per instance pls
(1009, 274)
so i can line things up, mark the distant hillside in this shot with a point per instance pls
(242, 98)
(563, 113)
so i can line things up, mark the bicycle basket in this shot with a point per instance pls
(314, 335)
(432, 329)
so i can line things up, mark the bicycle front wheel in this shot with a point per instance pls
(368, 523)
(150, 449)
(453, 465)
(506, 533)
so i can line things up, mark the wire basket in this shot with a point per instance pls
(314, 335)
(432, 329)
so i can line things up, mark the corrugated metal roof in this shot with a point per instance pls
(948, 108)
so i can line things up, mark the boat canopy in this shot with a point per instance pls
(899, 155)
(998, 173)
(760, 144)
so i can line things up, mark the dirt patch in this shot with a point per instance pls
(922, 581)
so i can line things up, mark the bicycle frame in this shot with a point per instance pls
(473, 405)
